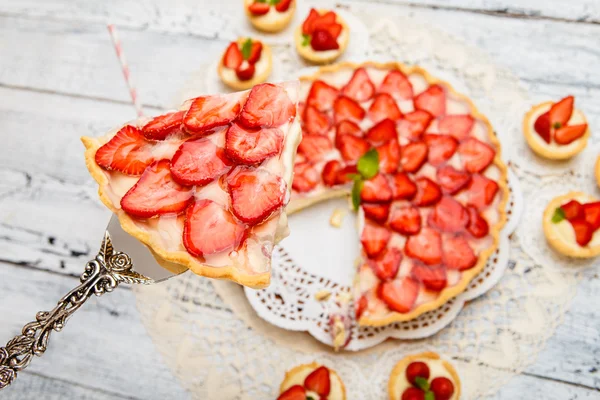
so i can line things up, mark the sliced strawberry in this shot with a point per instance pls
(306, 177)
(387, 264)
(476, 155)
(481, 191)
(458, 126)
(330, 172)
(252, 146)
(428, 192)
(255, 52)
(457, 253)
(413, 124)
(542, 126)
(361, 306)
(441, 148)
(295, 392)
(413, 156)
(156, 193)
(406, 220)
(283, 5)
(245, 72)
(346, 108)
(569, 134)
(208, 112)
(425, 246)
(323, 40)
(433, 278)
(164, 125)
(382, 132)
(308, 24)
(389, 157)
(322, 96)
(573, 210)
(352, 148)
(259, 8)
(400, 295)
(397, 85)
(413, 393)
(346, 128)
(325, 20)
(127, 152)
(384, 106)
(583, 231)
(315, 147)
(210, 229)
(318, 381)
(334, 29)
(592, 214)
(198, 162)
(267, 105)
(343, 175)
(374, 238)
(255, 194)
(560, 113)
(376, 212)
(452, 180)
(477, 226)
(432, 100)
(316, 122)
(376, 190)
(448, 216)
(233, 56)
(403, 187)
(360, 87)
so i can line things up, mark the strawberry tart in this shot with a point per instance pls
(556, 130)
(571, 225)
(424, 170)
(322, 37)
(270, 15)
(424, 376)
(205, 187)
(312, 381)
(246, 63)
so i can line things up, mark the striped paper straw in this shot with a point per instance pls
(125, 67)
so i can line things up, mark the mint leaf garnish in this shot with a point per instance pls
(353, 176)
(422, 383)
(260, 1)
(429, 396)
(559, 215)
(305, 39)
(247, 49)
(274, 2)
(557, 125)
(310, 398)
(356, 189)
(368, 164)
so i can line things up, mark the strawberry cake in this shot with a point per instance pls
(245, 64)
(424, 376)
(556, 130)
(312, 381)
(322, 37)
(424, 170)
(205, 186)
(270, 15)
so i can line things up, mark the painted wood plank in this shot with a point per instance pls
(528, 387)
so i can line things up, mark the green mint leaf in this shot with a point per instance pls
(356, 189)
(559, 215)
(247, 49)
(260, 1)
(274, 2)
(310, 398)
(422, 383)
(353, 176)
(429, 395)
(557, 125)
(368, 164)
(305, 40)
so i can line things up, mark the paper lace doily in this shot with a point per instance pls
(219, 348)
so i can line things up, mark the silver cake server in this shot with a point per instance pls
(134, 264)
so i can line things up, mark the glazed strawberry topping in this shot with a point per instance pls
(164, 125)
(481, 191)
(346, 108)
(330, 172)
(315, 147)
(323, 40)
(569, 134)
(553, 124)
(252, 146)
(397, 85)
(242, 58)
(448, 216)
(433, 278)
(127, 152)
(400, 295)
(259, 8)
(209, 112)
(295, 392)
(384, 106)
(319, 382)
(403, 187)
(377, 212)
(352, 148)
(542, 126)
(426, 246)
(374, 238)
(376, 190)
(199, 162)
(458, 126)
(389, 157)
(591, 212)
(476, 155)
(561, 112)
(321, 31)
(306, 177)
(428, 192)
(346, 128)
(382, 132)
(322, 96)
(413, 156)
(387, 264)
(316, 122)
(283, 5)
(584, 219)
(477, 226)
(245, 73)
(457, 253)
(583, 231)
(406, 220)
(267, 105)
(451, 180)
(413, 124)
(432, 100)
(441, 148)
(361, 306)
(233, 56)
(360, 87)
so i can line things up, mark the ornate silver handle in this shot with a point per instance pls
(102, 274)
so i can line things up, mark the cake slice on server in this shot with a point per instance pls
(206, 186)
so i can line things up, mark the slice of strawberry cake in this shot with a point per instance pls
(424, 169)
(205, 186)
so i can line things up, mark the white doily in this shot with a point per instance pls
(219, 348)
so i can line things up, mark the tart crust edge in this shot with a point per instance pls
(289, 375)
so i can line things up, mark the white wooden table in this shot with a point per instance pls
(59, 80)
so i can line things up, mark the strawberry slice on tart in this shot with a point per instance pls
(270, 15)
(245, 63)
(312, 380)
(322, 37)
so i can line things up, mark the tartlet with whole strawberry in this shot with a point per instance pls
(245, 63)
(270, 15)
(571, 225)
(322, 37)
(556, 131)
(424, 376)
(312, 381)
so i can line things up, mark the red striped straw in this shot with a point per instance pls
(125, 67)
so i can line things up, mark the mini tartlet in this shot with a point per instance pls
(270, 15)
(571, 225)
(322, 37)
(556, 130)
(415, 375)
(245, 63)
(312, 381)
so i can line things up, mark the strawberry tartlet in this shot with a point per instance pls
(556, 130)
(312, 381)
(206, 186)
(424, 376)
(245, 64)
(322, 37)
(571, 225)
(270, 15)
(423, 168)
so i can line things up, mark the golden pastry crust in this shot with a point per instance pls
(259, 76)
(291, 374)
(400, 369)
(597, 171)
(540, 147)
(317, 57)
(270, 26)
(552, 236)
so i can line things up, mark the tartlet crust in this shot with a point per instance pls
(597, 171)
(400, 368)
(468, 275)
(259, 77)
(313, 56)
(543, 150)
(270, 26)
(289, 375)
(571, 250)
